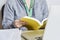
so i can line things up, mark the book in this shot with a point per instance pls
(32, 34)
(33, 24)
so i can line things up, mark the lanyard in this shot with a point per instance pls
(29, 10)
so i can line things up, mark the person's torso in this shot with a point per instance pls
(19, 10)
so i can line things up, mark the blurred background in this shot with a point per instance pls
(55, 8)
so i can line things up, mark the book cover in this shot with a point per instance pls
(34, 24)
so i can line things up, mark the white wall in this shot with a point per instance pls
(53, 2)
(52, 31)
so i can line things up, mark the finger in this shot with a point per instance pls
(17, 23)
(18, 26)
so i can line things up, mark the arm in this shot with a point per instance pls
(45, 13)
(8, 16)
(45, 9)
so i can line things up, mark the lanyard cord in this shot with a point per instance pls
(29, 11)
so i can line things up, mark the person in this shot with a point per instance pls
(16, 9)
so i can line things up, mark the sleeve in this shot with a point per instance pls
(45, 13)
(8, 16)
(45, 9)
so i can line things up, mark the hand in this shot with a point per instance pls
(19, 23)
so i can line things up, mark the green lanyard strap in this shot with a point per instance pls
(29, 11)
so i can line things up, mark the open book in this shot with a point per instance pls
(33, 23)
